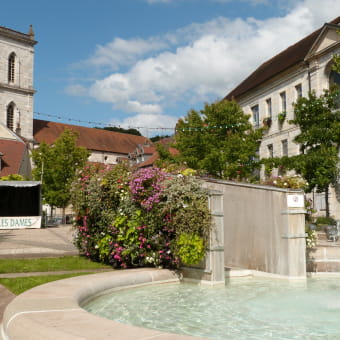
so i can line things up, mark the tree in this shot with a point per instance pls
(220, 140)
(319, 123)
(158, 138)
(130, 131)
(56, 166)
(336, 59)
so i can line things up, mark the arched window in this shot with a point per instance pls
(334, 78)
(11, 68)
(10, 116)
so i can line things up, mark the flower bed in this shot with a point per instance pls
(140, 218)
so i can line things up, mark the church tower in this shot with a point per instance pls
(16, 81)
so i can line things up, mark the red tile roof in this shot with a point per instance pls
(291, 56)
(13, 155)
(90, 138)
(155, 156)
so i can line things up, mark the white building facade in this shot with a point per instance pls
(269, 92)
(16, 80)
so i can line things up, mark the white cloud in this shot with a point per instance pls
(161, 124)
(200, 62)
(77, 90)
(122, 52)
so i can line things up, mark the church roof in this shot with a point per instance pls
(291, 56)
(13, 153)
(19, 36)
(90, 138)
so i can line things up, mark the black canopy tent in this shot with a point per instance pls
(20, 198)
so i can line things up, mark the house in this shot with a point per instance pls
(153, 155)
(269, 92)
(14, 154)
(106, 147)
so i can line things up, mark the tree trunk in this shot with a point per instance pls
(327, 201)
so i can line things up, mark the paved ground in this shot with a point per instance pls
(32, 243)
(28, 243)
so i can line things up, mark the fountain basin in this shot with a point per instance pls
(53, 310)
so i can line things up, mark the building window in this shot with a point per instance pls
(270, 150)
(269, 107)
(256, 118)
(10, 116)
(283, 101)
(11, 68)
(284, 146)
(298, 90)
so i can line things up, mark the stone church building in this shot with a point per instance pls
(16, 80)
(16, 100)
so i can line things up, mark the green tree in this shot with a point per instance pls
(130, 131)
(319, 123)
(12, 177)
(336, 60)
(56, 166)
(158, 138)
(220, 140)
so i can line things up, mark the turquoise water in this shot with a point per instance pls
(246, 308)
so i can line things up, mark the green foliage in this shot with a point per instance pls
(48, 264)
(219, 140)
(319, 137)
(293, 182)
(318, 119)
(336, 60)
(158, 138)
(12, 177)
(121, 130)
(324, 220)
(311, 239)
(191, 248)
(281, 117)
(166, 159)
(19, 285)
(114, 226)
(56, 166)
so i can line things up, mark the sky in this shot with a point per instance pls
(145, 63)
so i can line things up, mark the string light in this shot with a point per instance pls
(97, 123)
(189, 129)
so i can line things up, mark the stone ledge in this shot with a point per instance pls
(53, 310)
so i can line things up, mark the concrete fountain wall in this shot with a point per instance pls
(256, 227)
(53, 311)
(264, 228)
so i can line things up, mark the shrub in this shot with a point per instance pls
(311, 239)
(325, 220)
(132, 219)
(191, 248)
(293, 182)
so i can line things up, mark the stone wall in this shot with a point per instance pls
(263, 228)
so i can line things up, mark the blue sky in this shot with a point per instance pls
(146, 63)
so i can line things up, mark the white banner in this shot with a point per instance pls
(20, 222)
